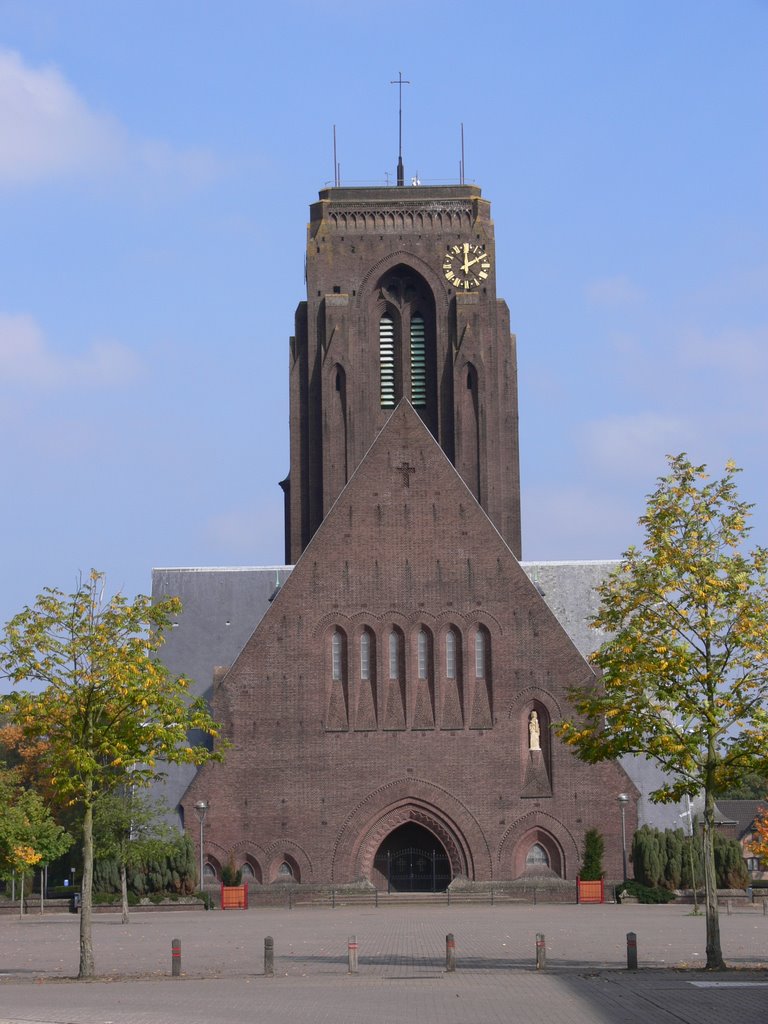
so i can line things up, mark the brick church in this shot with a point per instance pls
(389, 693)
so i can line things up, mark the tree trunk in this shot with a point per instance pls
(86, 896)
(21, 894)
(42, 890)
(715, 960)
(124, 892)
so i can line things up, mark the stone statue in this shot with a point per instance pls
(534, 732)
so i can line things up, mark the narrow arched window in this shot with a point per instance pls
(450, 655)
(387, 362)
(418, 362)
(285, 872)
(336, 655)
(423, 650)
(480, 654)
(365, 655)
(394, 655)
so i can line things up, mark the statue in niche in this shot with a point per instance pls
(534, 732)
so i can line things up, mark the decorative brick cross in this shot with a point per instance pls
(405, 469)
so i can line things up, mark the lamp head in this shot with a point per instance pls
(623, 798)
(201, 808)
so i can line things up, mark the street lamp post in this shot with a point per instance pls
(201, 809)
(623, 801)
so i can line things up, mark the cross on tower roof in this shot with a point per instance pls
(400, 82)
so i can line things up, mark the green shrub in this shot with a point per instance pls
(230, 875)
(672, 860)
(170, 867)
(646, 893)
(205, 899)
(592, 864)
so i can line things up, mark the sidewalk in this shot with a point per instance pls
(401, 967)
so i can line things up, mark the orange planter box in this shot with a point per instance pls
(234, 897)
(590, 892)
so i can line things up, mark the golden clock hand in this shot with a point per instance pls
(477, 259)
(466, 258)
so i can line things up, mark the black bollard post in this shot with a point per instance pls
(631, 951)
(352, 954)
(269, 957)
(450, 952)
(541, 952)
(175, 958)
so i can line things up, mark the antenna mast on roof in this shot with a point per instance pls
(336, 166)
(400, 81)
(461, 164)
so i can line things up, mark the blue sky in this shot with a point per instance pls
(157, 161)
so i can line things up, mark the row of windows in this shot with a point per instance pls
(424, 653)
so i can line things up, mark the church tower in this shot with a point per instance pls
(401, 303)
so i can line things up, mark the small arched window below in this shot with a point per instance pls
(480, 654)
(336, 655)
(247, 871)
(450, 655)
(537, 857)
(423, 654)
(285, 872)
(394, 655)
(365, 655)
(209, 872)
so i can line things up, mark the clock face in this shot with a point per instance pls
(466, 266)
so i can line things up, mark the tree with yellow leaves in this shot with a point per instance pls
(108, 711)
(759, 843)
(28, 834)
(685, 670)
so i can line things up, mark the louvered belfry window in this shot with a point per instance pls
(387, 362)
(418, 363)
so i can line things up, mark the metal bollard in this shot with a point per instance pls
(450, 952)
(765, 906)
(728, 907)
(352, 954)
(175, 958)
(541, 952)
(631, 951)
(269, 957)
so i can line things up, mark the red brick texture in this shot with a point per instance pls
(325, 764)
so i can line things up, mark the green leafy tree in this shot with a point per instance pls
(685, 671)
(128, 830)
(28, 834)
(592, 863)
(109, 711)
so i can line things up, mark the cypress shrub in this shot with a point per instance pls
(592, 865)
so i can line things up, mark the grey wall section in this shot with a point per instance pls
(223, 606)
(221, 609)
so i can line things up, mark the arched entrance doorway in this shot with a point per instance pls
(411, 859)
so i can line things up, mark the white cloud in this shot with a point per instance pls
(613, 291)
(47, 131)
(635, 446)
(27, 360)
(739, 352)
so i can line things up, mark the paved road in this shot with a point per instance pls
(402, 967)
